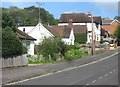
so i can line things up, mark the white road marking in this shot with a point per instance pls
(100, 77)
(114, 70)
(64, 69)
(94, 81)
(106, 74)
(87, 84)
(110, 72)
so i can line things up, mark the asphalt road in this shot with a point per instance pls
(104, 72)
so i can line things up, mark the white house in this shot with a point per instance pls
(27, 41)
(71, 39)
(81, 19)
(40, 31)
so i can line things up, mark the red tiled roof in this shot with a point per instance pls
(64, 31)
(78, 18)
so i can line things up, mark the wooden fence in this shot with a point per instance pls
(15, 61)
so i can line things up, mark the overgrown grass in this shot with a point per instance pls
(32, 61)
(69, 56)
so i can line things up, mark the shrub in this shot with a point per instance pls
(11, 45)
(75, 46)
(73, 54)
(50, 47)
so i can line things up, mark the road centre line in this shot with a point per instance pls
(103, 76)
(87, 84)
(100, 77)
(64, 69)
(111, 72)
(106, 74)
(94, 81)
(114, 70)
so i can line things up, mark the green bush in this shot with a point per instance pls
(73, 54)
(50, 47)
(75, 46)
(11, 45)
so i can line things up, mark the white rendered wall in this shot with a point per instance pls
(27, 28)
(63, 24)
(31, 50)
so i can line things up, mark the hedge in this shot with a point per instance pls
(81, 38)
(11, 44)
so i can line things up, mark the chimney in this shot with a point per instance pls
(89, 14)
(70, 22)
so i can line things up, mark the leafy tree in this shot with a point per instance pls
(8, 21)
(14, 16)
(117, 34)
(117, 17)
(11, 45)
(45, 16)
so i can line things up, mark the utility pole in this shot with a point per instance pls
(93, 38)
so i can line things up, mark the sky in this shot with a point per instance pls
(103, 9)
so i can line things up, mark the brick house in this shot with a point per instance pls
(110, 25)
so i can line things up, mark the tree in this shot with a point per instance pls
(11, 45)
(45, 16)
(117, 17)
(8, 21)
(26, 17)
(117, 34)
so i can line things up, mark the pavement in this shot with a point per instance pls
(15, 74)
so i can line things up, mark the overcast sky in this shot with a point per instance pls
(104, 9)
